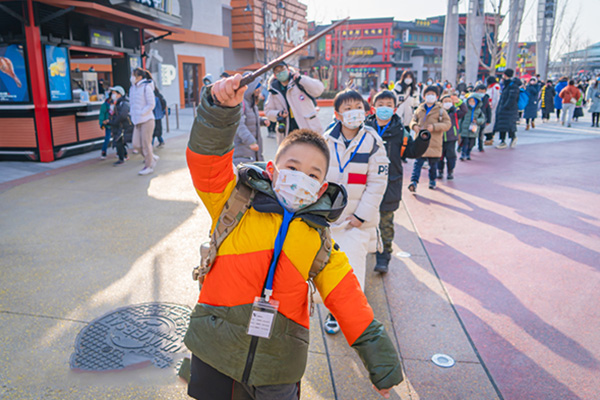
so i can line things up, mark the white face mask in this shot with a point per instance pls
(408, 81)
(429, 83)
(447, 106)
(295, 190)
(430, 98)
(352, 119)
(132, 79)
(114, 97)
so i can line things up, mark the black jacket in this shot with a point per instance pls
(455, 114)
(507, 112)
(393, 139)
(120, 121)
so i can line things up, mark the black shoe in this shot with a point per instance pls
(383, 262)
(432, 185)
(469, 158)
(116, 164)
(450, 176)
(440, 174)
(412, 187)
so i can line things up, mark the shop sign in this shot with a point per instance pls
(362, 52)
(286, 31)
(327, 47)
(13, 75)
(150, 3)
(167, 74)
(397, 44)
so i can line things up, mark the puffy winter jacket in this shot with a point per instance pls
(364, 176)
(507, 112)
(456, 112)
(407, 100)
(493, 91)
(141, 99)
(558, 88)
(218, 324)
(248, 132)
(301, 106)
(438, 117)
(474, 115)
(393, 140)
(568, 93)
(593, 96)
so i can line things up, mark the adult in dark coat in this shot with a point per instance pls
(530, 112)
(507, 112)
(547, 100)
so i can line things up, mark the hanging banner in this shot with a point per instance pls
(328, 47)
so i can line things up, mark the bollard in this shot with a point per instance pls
(167, 116)
(177, 115)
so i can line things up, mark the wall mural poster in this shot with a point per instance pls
(59, 73)
(13, 75)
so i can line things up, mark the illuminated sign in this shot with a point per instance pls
(362, 52)
(58, 73)
(100, 37)
(13, 75)
(327, 47)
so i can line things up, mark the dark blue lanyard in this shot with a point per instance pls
(351, 156)
(283, 230)
(382, 131)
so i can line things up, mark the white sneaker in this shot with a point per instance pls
(513, 143)
(156, 158)
(146, 171)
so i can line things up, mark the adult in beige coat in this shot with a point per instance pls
(291, 100)
(432, 117)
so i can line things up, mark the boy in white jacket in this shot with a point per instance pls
(359, 163)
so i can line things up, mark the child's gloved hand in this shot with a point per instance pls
(227, 92)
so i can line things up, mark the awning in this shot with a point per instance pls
(100, 11)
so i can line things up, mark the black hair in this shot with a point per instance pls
(491, 80)
(385, 94)
(509, 72)
(144, 73)
(344, 96)
(367, 107)
(571, 82)
(431, 88)
(305, 136)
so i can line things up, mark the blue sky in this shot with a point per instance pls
(587, 31)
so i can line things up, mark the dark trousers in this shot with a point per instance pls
(449, 155)
(158, 131)
(416, 174)
(206, 383)
(386, 229)
(511, 135)
(557, 113)
(466, 146)
(480, 138)
(595, 118)
(121, 148)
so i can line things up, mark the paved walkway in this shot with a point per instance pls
(90, 238)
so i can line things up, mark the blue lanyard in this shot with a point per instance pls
(472, 114)
(351, 156)
(427, 109)
(283, 230)
(382, 131)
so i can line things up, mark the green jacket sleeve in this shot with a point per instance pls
(214, 126)
(378, 354)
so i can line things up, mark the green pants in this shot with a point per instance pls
(386, 228)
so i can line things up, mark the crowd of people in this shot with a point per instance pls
(134, 119)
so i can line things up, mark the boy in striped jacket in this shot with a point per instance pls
(359, 163)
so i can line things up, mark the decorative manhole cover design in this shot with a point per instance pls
(150, 332)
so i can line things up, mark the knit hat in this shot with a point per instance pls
(118, 89)
(432, 88)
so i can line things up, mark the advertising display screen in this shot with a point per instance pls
(13, 75)
(59, 73)
(99, 37)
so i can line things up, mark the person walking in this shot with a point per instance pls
(507, 112)
(160, 109)
(569, 95)
(493, 91)
(593, 98)
(120, 123)
(103, 118)
(142, 103)
(558, 103)
(407, 97)
(456, 109)
(470, 124)
(292, 101)
(547, 95)
(248, 144)
(531, 109)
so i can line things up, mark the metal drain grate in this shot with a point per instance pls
(132, 335)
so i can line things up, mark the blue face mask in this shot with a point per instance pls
(283, 76)
(384, 113)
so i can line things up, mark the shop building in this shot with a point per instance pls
(54, 54)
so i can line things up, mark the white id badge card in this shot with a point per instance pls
(262, 317)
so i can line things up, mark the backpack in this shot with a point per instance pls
(305, 92)
(523, 99)
(236, 206)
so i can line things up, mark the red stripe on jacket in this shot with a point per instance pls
(359, 179)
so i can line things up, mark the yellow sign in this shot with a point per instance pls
(362, 52)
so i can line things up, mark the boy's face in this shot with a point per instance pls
(471, 103)
(347, 106)
(385, 103)
(447, 101)
(301, 157)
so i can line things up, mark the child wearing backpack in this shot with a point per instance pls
(456, 109)
(398, 144)
(432, 117)
(470, 125)
(358, 162)
(249, 331)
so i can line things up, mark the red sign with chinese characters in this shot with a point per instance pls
(328, 47)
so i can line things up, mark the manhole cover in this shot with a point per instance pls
(150, 332)
(442, 360)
